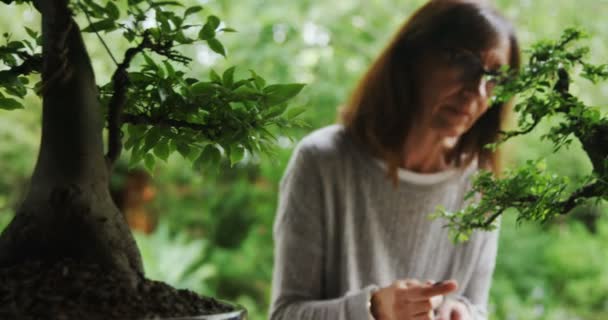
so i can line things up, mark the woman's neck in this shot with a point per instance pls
(427, 152)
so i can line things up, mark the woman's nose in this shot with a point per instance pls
(478, 88)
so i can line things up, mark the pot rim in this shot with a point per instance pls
(217, 316)
(239, 312)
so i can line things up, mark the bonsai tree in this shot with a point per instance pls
(152, 105)
(542, 92)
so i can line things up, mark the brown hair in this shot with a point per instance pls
(382, 108)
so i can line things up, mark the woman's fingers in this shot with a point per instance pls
(452, 310)
(445, 312)
(414, 299)
(419, 293)
(436, 301)
(408, 283)
(420, 307)
(424, 316)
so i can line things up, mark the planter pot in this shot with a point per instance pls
(239, 314)
(235, 315)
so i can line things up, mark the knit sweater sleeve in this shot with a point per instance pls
(300, 242)
(475, 295)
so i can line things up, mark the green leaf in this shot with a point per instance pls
(280, 93)
(170, 69)
(97, 11)
(136, 154)
(216, 46)
(161, 150)
(258, 81)
(275, 111)
(202, 87)
(149, 161)
(10, 104)
(237, 153)
(212, 75)
(183, 149)
(157, 4)
(228, 77)
(227, 30)
(112, 10)
(160, 72)
(210, 156)
(149, 61)
(8, 78)
(139, 78)
(134, 2)
(15, 45)
(129, 35)
(31, 33)
(207, 32)
(181, 38)
(136, 131)
(152, 137)
(213, 21)
(103, 25)
(29, 45)
(161, 17)
(177, 21)
(294, 112)
(241, 84)
(192, 10)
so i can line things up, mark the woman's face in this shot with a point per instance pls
(455, 88)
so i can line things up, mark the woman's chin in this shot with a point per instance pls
(453, 131)
(451, 127)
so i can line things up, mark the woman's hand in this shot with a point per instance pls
(410, 300)
(453, 310)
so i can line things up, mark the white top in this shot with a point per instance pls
(420, 178)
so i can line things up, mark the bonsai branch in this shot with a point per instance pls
(30, 64)
(593, 143)
(510, 134)
(588, 191)
(119, 98)
(120, 83)
(488, 222)
(143, 119)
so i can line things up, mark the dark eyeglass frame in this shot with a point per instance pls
(471, 68)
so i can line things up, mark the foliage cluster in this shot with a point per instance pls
(542, 92)
(166, 108)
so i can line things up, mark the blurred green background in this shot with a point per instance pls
(212, 231)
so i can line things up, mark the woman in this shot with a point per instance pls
(352, 234)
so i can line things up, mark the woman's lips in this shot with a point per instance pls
(458, 112)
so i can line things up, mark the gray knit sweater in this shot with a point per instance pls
(342, 230)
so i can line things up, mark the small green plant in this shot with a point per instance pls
(175, 259)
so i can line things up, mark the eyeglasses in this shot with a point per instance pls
(469, 68)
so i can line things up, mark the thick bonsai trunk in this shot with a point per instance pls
(68, 212)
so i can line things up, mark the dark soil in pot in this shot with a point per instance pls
(71, 290)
